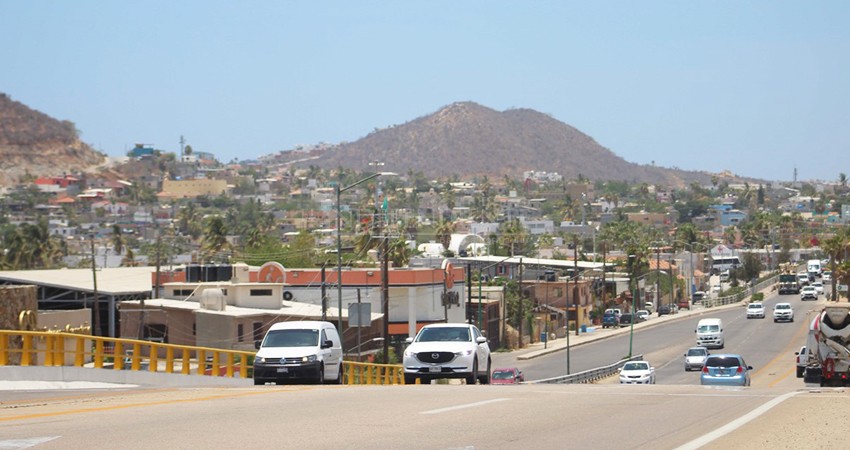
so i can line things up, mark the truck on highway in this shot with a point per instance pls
(788, 284)
(828, 356)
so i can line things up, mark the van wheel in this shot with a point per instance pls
(258, 382)
(320, 379)
(409, 379)
(339, 376)
(474, 374)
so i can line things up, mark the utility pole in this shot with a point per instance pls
(575, 269)
(521, 294)
(325, 298)
(94, 290)
(385, 298)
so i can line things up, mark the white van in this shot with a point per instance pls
(710, 333)
(300, 350)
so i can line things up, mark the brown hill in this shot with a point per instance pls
(33, 143)
(470, 139)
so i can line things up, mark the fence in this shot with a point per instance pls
(730, 299)
(56, 349)
(589, 376)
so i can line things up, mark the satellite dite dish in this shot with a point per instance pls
(272, 272)
(449, 268)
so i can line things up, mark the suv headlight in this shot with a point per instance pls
(466, 352)
(309, 359)
(408, 353)
(259, 359)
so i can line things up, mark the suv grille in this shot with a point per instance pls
(283, 360)
(435, 357)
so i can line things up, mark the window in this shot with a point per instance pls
(240, 330)
(261, 292)
(183, 292)
(258, 331)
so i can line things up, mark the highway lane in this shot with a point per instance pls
(423, 416)
(767, 346)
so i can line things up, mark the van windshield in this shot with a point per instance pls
(708, 328)
(292, 338)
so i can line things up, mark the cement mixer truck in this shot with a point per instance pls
(828, 341)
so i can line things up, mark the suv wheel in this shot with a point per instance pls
(474, 374)
(410, 379)
(320, 378)
(485, 377)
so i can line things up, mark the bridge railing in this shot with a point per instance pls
(589, 376)
(55, 349)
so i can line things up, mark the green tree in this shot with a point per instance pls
(215, 236)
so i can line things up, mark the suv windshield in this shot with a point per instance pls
(696, 352)
(442, 334)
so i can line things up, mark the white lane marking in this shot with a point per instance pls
(737, 423)
(468, 405)
(25, 443)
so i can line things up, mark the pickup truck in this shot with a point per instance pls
(610, 319)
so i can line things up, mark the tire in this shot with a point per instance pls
(485, 378)
(800, 371)
(340, 375)
(474, 374)
(259, 382)
(320, 378)
(812, 375)
(410, 379)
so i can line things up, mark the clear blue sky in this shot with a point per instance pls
(756, 87)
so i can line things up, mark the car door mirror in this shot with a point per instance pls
(408, 340)
(257, 344)
(481, 340)
(327, 344)
(749, 367)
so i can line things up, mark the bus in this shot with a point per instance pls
(720, 264)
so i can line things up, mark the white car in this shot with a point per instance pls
(818, 287)
(755, 310)
(643, 314)
(695, 358)
(447, 350)
(808, 292)
(827, 275)
(783, 312)
(637, 372)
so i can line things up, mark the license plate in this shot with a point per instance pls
(435, 369)
(282, 370)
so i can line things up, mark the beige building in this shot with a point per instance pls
(193, 188)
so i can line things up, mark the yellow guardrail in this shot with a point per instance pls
(47, 348)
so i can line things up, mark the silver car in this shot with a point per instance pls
(695, 358)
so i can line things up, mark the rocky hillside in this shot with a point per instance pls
(470, 139)
(35, 144)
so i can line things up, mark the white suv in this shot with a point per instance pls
(784, 312)
(447, 350)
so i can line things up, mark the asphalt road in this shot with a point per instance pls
(675, 413)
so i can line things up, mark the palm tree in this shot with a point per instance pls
(118, 240)
(215, 235)
(444, 232)
(399, 252)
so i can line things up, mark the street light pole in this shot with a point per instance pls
(339, 191)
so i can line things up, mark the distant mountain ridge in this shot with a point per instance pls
(35, 144)
(466, 138)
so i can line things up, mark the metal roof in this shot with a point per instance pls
(567, 264)
(110, 281)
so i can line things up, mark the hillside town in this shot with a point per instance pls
(272, 240)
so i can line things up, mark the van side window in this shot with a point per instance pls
(324, 337)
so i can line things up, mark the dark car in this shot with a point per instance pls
(664, 309)
(626, 319)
